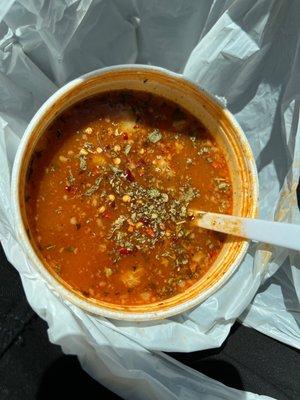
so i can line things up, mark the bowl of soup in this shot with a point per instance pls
(105, 182)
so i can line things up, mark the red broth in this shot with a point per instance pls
(110, 192)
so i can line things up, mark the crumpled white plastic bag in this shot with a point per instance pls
(244, 51)
(255, 66)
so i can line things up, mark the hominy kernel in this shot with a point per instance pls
(117, 161)
(108, 272)
(88, 130)
(83, 152)
(111, 197)
(126, 198)
(73, 221)
(142, 151)
(102, 209)
(117, 147)
(99, 222)
(99, 150)
(102, 247)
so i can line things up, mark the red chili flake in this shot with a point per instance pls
(107, 215)
(150, 232)
(217, 165)
(125, 136)
(129, 175)
(124, 251)
(71, 189)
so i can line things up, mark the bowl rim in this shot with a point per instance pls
(57, 287)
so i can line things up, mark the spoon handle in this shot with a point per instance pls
(276, 233)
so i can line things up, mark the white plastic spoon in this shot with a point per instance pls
(276, 233)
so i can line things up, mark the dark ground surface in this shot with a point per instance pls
(31, 368)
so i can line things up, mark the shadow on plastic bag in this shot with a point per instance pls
(65, 377)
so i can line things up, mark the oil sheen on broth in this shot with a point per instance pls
(109, 194)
